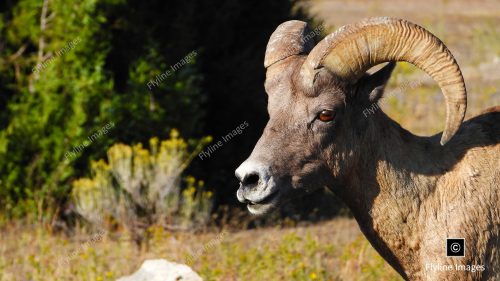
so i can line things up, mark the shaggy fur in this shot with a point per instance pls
(408, 193)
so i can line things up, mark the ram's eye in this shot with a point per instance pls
(326, 115)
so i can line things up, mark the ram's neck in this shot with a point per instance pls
(395, 173)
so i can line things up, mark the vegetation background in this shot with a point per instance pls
(80, 202)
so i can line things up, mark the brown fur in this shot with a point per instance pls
(408, 193)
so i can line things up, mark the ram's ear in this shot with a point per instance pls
(372, 86)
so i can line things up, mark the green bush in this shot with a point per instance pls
(59, 92)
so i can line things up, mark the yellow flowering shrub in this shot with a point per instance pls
(141, 187)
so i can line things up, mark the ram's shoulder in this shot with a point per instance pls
(486, 124)
(493, 109)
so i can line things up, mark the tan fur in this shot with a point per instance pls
(421, 194)
(408, 193)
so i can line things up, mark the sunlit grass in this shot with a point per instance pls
(333, 250)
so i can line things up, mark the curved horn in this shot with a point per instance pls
(353, 49)
(287, 40)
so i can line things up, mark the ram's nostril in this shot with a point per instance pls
(250, 179)
(251, 174)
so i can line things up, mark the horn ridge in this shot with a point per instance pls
(351, 50)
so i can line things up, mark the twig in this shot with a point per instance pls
(43, 26)
(18, 53)
(41, 40)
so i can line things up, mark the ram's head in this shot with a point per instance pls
(317, 95)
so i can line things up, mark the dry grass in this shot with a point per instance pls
(333, 250)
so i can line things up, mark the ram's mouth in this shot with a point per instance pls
(266, 199)
(264, 205)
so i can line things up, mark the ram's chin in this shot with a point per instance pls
(261, 209)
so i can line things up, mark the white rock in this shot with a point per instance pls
(162, 270)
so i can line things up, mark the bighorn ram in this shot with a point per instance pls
(408, 193)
